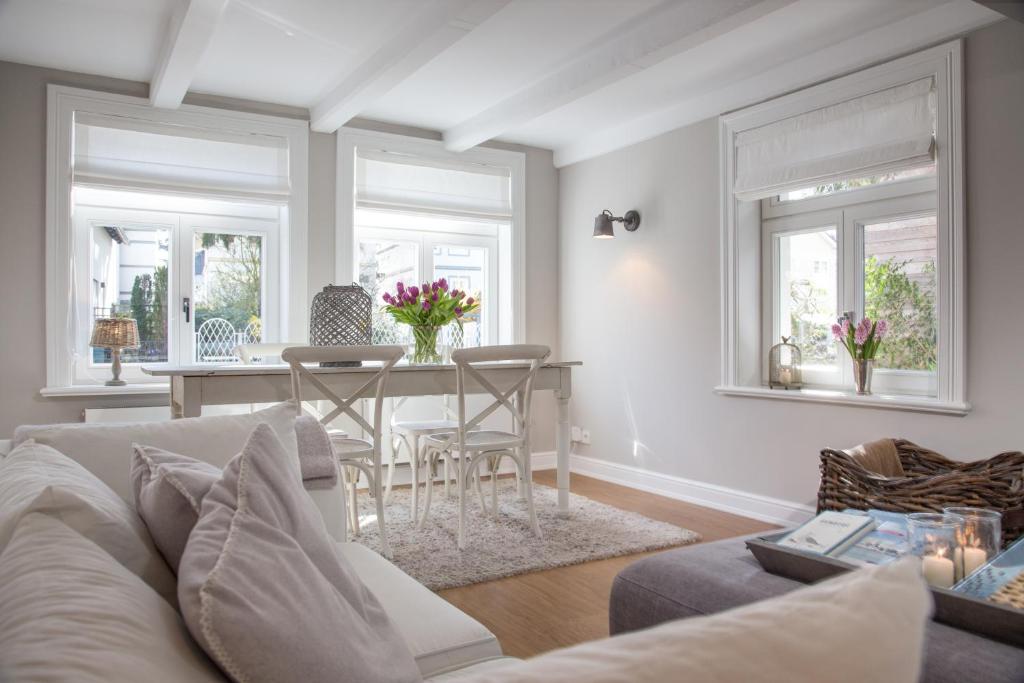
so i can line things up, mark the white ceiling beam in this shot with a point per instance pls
(191, 30)
(667, 29)
(887, 42)
(437, 25)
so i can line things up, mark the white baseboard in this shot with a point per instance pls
(755, 506)
(763, 508)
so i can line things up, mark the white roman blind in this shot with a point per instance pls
(401, 181)
(122, 152)
(887, 130)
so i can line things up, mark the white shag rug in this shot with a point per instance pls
(506, 546)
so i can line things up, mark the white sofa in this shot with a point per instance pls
(445, 642)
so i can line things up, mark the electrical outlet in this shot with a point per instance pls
(585, 437)
(577, 434)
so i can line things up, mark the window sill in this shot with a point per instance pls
(888, 402)
(85, 390)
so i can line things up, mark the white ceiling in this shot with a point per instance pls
(581, 77)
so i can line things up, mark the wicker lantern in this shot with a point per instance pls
(341, 316)
(784, 362)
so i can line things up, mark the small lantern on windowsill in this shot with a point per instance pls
(784, 362)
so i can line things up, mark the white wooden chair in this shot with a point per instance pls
(250, 351)
(476, 445)
(409, 433)
(353, 454)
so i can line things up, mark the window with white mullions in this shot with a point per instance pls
(413, 249)
(874, 258)
(197, 284)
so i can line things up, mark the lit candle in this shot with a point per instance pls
(970, 558)
(938, 570)
(785, 376)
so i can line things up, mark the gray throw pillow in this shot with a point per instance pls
(167, 490)
(264, 592)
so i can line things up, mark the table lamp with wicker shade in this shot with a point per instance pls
(115, 334)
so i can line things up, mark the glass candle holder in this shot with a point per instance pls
(935, 538)
(981, 538)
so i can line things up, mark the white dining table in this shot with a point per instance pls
(195, 386)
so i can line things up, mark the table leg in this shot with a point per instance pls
(191, 400)
(562, 444)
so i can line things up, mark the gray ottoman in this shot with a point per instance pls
(712, 577)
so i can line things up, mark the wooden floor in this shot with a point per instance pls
(541, 611)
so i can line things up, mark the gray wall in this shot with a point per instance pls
(642, 311)
(22, 247)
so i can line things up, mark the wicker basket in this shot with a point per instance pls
(932, 482)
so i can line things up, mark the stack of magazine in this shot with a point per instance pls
(876, 537)
(854, 536)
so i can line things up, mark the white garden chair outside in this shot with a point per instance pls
(215, 341)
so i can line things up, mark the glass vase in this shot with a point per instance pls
(981, 538)
(425, 351)
(862, 375)
(935, 538)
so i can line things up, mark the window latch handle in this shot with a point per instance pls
(186, 307)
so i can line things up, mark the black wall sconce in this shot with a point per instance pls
(603, 223)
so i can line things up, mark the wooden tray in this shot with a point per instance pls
(987, 619)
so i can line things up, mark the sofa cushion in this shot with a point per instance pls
(265, 592)
(713, 577)
(168, 489)
(867, 625)
(70, 612)
(472, 672)
(105, 449)
(36, 478)
(440, 636)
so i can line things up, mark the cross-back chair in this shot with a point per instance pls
(478, 445)
(409, 433)
(353, 455)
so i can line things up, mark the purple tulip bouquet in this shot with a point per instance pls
(861, 341)
(427, 309)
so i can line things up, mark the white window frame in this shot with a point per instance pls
(511, 269)
(425, 241)
(742, 316)
(181, 226)
(62, 103)
(864, 206)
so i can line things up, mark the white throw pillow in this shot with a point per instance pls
(106, 449)
(168, 489)
(36, 478)
(864, 626)
(264, 591)
(70, 612)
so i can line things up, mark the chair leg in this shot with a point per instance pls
(353, 479)
(447, 481)
(429, 458)
(528, 483)
(391, 476)
(495, 464)
(376, 485)
(463, 485)
(474, 465)
(414, 460)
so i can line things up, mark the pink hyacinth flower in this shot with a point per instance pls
(837, 332)
(881, 328)
(862, 332)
